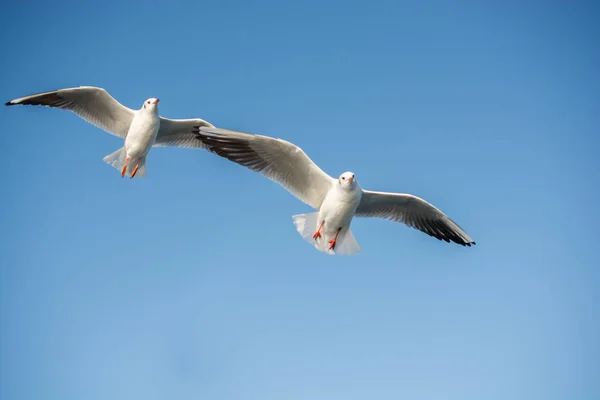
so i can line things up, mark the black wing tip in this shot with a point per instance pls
(48, 99)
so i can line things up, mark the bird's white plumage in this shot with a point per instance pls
(96, 106)
(307, 225)
(277, 159)
(412, 211)
(178, 132)
(141, 129)
(92, 104)
(335, 216)
(338, 201)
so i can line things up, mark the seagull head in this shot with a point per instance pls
(347, 180)
(151, 104)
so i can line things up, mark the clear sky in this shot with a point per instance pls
(194, 284)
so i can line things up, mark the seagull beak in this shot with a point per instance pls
(155, 101)
(350, 179)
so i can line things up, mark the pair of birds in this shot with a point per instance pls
(337, 200)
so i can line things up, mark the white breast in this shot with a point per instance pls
(142, 134)
(338, 208)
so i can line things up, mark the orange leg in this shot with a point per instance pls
(318, 232)
(332, 242)
(135, 170)
(124, 167)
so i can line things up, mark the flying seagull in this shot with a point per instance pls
(337, 200)
(142, 129)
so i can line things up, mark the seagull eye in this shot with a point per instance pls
(343, 177)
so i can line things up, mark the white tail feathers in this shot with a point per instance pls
(118, 159)
(346, 244)
(307, 224)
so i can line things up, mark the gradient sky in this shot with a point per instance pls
(194, 284)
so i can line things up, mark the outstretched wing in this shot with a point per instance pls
(277, 159)
(92, 104)
(414, 212)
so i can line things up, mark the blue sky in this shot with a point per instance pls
(194, 284)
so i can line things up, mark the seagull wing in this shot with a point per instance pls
(92, 104)
(277, 159)
(179, 133)
(414, 212)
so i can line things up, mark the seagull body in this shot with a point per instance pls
(139, 140)
(335, 215)
(338, 201)
(141, 129)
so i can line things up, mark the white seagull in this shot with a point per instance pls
(141, 129)
(338, 200)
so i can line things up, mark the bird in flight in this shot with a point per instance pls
(337, 200)
(141, 129)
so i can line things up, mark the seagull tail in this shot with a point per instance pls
(346, 244)
(142, 170)
(307, 224)
(118, 159)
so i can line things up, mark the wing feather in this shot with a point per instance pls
(414, 212)
(93, 104)
(276, 159)
(179, 133)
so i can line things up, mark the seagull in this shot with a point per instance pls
(337, 200)
(141, 129)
